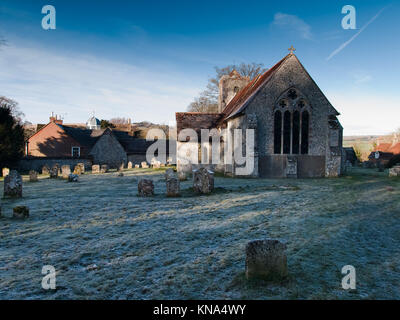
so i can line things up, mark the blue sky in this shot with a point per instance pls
(148, 59)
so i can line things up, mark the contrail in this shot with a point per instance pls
(345, 44)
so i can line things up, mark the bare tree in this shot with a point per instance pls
(13, 106)
(208, 99)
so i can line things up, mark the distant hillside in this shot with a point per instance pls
(366, 144)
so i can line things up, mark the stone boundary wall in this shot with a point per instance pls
(36, 164)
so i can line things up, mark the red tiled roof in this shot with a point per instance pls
(389, 147)
(238, 102)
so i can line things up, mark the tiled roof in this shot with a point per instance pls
(239, 102)
(196, 120)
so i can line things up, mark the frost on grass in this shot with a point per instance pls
(107, 243)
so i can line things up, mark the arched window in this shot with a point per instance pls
(291, 123)
(296, 133)
(305, 120)
(286, 132)
(277, 132)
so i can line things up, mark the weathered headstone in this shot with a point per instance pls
(144, 165)
(266, 259)
(73, 177)
(46, 169)
(21, 212)
(203, 181)
(33, 176)
(5, 172)
(137, 166)
(13, 185)
(162, 165)
(394, 172)
(82, 166)
(95, 168)
(130, 165)
(156, 164)
(121, 167)
(172, 182)
(173, 187)
(54, 172)
(169, 161)
(146, 188)
(66, 171)
(104, 168)
(78, 170)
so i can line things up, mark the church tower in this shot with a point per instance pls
(229, 85)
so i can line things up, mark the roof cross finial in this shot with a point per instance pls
(291, 49)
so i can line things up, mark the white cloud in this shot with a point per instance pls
(43, 81)
(293, 22)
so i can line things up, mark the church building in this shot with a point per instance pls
(297, 133)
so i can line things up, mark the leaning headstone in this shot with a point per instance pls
(182, 176)
(46, 170)
(54, 172)
(95, 168)
(33, 176)
(73, 177)
(66, 171)
(78, 170)
(130, 165)
(121, 167)
(21, 212)
(137, 166)
(266, 259)
(13, 185)
(146, 188)
(203, 181)
(104, 168)
(5, 172)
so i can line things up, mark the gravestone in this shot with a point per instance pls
(104, 168)
(54, 172)
(144, 165)
(130, 164)
(172, 182)
(78, 170)
(46, 170)
(13, 185)
(82, 166)
(394, 172)
(266, 259)
(146, 188)
(291, 167)
(137, 166)
(203, 181)
(66, 171)
(73, 177)
(95, 168)
(121, 167)
(33, 176)
(5, 172)
(21, 212)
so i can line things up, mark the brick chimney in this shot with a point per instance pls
(55, 118)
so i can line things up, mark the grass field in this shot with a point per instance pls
(192, 247)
